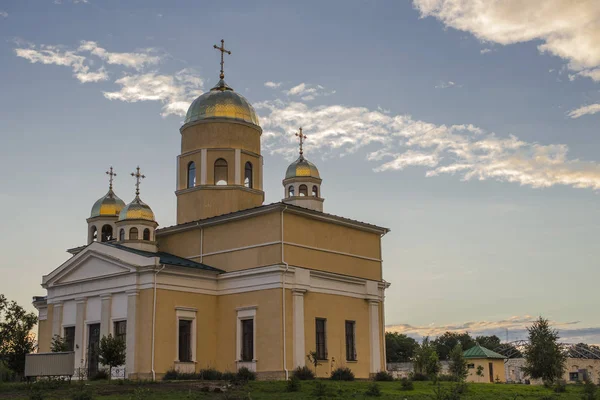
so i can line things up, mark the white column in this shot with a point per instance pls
(238, 170)
(131, 332)
(203, 164)
(375, 336)
(57, 313)
(298, 339)
(80, 331)
(260, 174)
(105, 315)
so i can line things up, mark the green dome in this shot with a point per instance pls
(302, 168)
(221, 102)
(107, 206)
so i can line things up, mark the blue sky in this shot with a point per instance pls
(470, 131)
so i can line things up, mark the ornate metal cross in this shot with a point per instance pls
(138, 177)
(301, 136)
(223, 51)
(111, 174)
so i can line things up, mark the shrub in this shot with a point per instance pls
(418, 377)
(82, 394)
(589, 390)
(293, 385)
(304, 373)
(170, 375)
(228, 376)
(373, 390)
(342, 374)
(560, 386)
(141, 393)
(244, 375)
(100, 375)
(383, 376)
(447, 378)
(210, 374)
(406, 384)
(320, 390)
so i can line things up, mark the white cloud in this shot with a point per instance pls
(136, 60)
(485, 51)
(272, 85)
(567, 29)
(67, 58)
(175, 91)
(3, 14)
(396, 142)
(308, 92)
(585, 110)
(446, 85)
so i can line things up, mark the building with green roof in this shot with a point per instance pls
(485, 365)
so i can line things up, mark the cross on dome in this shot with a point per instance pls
(301, 137)
(223, 51)
(138, 177)
(111, 174)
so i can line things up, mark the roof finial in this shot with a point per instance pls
(223, 51)
(138, 177)
(301, 136)
(111, 174)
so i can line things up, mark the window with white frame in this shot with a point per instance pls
(186, 334)
(246, 334)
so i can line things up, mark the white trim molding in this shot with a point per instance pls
(374, 336)
(245, 313)
(188, 314)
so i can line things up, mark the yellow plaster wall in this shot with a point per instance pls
(337, 310)
(215, 200)
(226, 134)
(143, 333)
(214, 155)
(267, 325)
(182, 244)
(183, 166)
(498, 366)
(244, 259)
(262, 228)
(45, 331)
(256, 167)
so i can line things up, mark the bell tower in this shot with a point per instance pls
(220, 166)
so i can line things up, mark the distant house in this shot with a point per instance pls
(484, 365)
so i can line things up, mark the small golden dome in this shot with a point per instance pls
(107, 206)
(137, 209)
(221, 102)
(302, 168)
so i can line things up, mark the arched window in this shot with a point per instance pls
(303, 190)
(122, 234)
(248, 175)
(133, 234)
(315, 191)
(220, 172)
(291, 191)
(147, 234)
(106, 233)
(94, 232)
(191, 174)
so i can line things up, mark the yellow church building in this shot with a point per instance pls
(235, 283)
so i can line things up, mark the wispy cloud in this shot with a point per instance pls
(3, 14)
(585, 110)
(58, 2)
(485, 51)
(136, 60)
(446, 85)
(308, 92)
(567, 29)
(272, 85)
(396, 142)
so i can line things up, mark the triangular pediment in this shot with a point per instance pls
(93, 267)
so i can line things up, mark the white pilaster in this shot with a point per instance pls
(105, 315)
(80, 353)
(298, 333)
(260, 174)
(238, 167)
(132, 298)
(203, 166)
(57, 319)
(374, 336)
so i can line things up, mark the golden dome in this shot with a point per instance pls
(302, 168)
(107, 206)
(221, 102)
(137, 209)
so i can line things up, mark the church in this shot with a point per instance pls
(236, 282)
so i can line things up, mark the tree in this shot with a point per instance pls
(427, 361)
(458, 364)
(544, 358)
(446, 342)
(399, 347)
(16, 339)
(489, 342)
(112, 352)
(58, 344)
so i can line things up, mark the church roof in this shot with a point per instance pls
(109, 205)
(272, 207)
(481, 352)
(166, 258)
(302, 168)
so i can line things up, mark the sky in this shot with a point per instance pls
(468, 129)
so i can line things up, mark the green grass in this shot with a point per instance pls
(277, 390)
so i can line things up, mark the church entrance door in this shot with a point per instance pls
(93, 349)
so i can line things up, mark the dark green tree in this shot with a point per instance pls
(544, 357)
(458, 364)
(399, 347)
(58, 344)
(16, 339)
(426, 360)
(489, 342)
(446, 342)
(112, 352)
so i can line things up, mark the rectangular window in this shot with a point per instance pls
(70, 338)
(185, 340)
(121, 330)
(321, 337)
(350, 341)
(247, 339)
(573, 376)
(471, 366)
